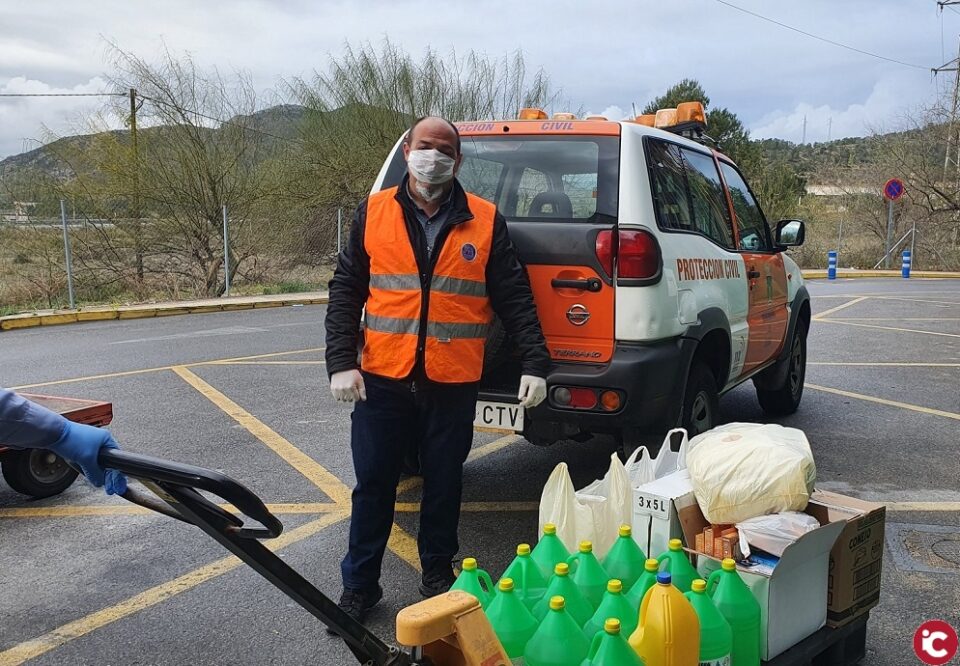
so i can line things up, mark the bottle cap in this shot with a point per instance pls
(664, 578)
(469, 564)
(523, 549)
(729, 564)
(556, 603)
(586, 547)
(615, 586)
(549, 528)
(699, 585)
(651, 565)
(625, 531)
(612, 626)
(676, 544)
(506, 585)
(562, 569)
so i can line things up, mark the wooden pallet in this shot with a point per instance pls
(843, 646)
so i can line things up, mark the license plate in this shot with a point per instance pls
(499, 416)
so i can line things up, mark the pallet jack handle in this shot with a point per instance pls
(176, 487)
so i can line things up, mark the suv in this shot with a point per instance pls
(658, 282)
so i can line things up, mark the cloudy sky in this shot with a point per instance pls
(605, 55)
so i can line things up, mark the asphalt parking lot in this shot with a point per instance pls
(87, 579)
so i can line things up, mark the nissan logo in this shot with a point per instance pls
(578, 314)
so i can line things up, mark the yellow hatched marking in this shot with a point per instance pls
(478, 507)
(885, 364)
(882, 401)
(887, 328)
(839, 307)
(58, 637)
(333, 487)
(404, 546)
(922, 506)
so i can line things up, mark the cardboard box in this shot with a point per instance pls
(655, 507)
(793, 597)
(856, 561)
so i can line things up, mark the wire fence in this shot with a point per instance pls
(76, 259)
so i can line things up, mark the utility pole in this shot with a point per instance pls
(830, 129)
(803, 141)
(138, 229)
(952, 152)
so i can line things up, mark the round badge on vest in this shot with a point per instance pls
(469, 251)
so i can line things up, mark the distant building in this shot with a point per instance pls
(840, 190)
(20, 213)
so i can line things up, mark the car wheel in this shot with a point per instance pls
(701, 401)
(37, 472)
(785, 399)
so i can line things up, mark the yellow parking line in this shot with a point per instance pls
(896, 319)
(885, 364)
(918, 300)
(403, 545)
(332, 487)
(127, 373)
(78, 511)
(477, 507)
(268, 363)
(886, 328)
(479, 452)
(882, 401)
(922, 506)
(58, 637)
(839, 307)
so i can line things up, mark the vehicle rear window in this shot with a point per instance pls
(531, 178)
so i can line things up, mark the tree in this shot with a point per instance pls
(686, 90)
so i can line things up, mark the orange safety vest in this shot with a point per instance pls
(458, 312)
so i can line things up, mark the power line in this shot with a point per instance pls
(63, 94)
(822, 39)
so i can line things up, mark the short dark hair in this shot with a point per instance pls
(409, 135)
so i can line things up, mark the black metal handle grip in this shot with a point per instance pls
(589, 284)
(753, 275)
(168, 473)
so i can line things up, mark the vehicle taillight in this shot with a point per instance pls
(606, 250)
(638, 255)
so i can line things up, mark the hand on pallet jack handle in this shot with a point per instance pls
(176, 483)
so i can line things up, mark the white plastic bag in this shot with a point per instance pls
(640, 467)
(775, 532)
(743, 470)
(594, 513)
(669, 460)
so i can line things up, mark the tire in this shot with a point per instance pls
(701, 401)
(37, 472)
(784, 399)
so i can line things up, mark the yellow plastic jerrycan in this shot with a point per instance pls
(669, 631)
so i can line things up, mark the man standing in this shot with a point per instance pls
(431, 264)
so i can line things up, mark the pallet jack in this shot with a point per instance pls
(448, 630)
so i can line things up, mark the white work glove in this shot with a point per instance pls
(347, 386)
(532, 391)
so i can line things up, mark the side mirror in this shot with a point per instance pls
(790, 233)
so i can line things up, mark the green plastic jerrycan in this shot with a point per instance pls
(528, 582)
(549, 551)
(510, 619)
(475, 581)
(613, 605)
(589, 574)
(624, 560)
(646, 580)
(558, 640)
(678, 564)
(716, 638)
(562, 585)
(610, 648)
(737, 604)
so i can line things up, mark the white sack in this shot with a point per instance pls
(775, 532)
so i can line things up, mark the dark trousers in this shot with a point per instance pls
(437, 421)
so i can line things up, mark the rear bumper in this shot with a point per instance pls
(650, 377)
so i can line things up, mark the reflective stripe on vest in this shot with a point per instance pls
(459, 312)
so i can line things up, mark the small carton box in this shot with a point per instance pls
(655, 507)
(793, 593)
(853, 586)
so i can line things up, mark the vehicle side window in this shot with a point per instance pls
(751, 225)
(669, 186)
(711, 216)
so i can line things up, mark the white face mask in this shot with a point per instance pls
(430, 167)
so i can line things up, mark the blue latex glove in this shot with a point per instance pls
(80, 444)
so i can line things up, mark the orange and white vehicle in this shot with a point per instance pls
(658, 282)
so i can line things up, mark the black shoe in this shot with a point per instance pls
(436, 582)
(357, 604)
